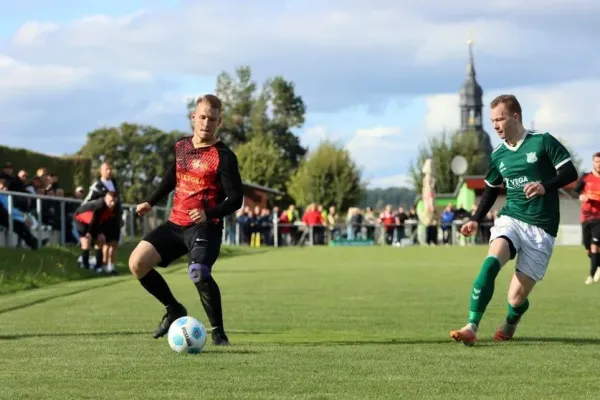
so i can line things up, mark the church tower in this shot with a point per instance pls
(471, 105)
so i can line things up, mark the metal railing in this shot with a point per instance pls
(276, 234)
(132, 225)
(269, 232)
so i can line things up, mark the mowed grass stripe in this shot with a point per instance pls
(314, 323)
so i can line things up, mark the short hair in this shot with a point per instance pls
(212, 100)
(596, 155)
(511, 103)
(111, 193)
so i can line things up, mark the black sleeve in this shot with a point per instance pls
(231, 181)
(490, 194)
(95, 192)
(580, 184)
(565, 174)
(95, 222)
(166, 185)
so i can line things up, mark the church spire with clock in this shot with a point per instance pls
(471, 105)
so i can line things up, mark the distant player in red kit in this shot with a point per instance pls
(588, 188)
(207, 183)
(89, 219)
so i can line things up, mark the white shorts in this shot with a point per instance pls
(534, 245)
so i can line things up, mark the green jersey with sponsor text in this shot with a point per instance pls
(534, 159)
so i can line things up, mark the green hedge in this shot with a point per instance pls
(72, 171)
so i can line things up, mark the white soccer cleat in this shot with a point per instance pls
(597, 276)
(590, 280)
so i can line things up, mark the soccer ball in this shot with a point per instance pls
(187, 335)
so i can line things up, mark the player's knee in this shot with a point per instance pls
(198, 272)
(143, 258)
(594, 249)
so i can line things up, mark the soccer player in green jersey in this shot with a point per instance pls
(532, 167)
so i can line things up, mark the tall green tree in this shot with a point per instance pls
(327, 176)
(442, 149)
(273, 109)
(261, 162)
(139, 155)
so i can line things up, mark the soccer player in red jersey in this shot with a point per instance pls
(207, 183)
(89, 219)
(588, 188)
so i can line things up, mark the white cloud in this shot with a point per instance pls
(70, 78)
(401, 180)
(32, 32)
(51, 107)
(401, 46)
(313, 135)
(16, 76)
(376, 149)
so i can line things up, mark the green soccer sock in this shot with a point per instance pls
(483, 289)
(515, 313)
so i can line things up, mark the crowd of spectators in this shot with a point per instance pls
(25, 209)
(391, 226)
(314, 224)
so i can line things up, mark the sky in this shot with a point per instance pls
(379, 79)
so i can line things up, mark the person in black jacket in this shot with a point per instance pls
(90, 220)
(112, 228)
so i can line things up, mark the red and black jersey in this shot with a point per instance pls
(93, 213)
(589, 185)
(206, 178)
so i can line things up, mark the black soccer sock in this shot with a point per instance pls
(85, 258)
(99, 258)
(594, 263)
(156, 285)
(210, 296)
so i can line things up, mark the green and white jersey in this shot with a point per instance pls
(534, 159)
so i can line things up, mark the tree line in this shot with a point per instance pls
(258, 124)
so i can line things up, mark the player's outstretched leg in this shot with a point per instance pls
(204, 252)
(141, 263)
(518, 303)
(210, 297)
(483, 291)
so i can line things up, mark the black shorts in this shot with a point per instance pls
(173, 241)
(111, 229)
(591, 233)
(83, 229)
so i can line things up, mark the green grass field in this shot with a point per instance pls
(310, 323)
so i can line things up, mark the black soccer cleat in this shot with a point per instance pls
(173, 313)
(219, 338)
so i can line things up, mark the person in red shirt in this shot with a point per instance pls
(588, 188)
(389, 220)
(208, 187)
(313, 218)
(89, 220)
